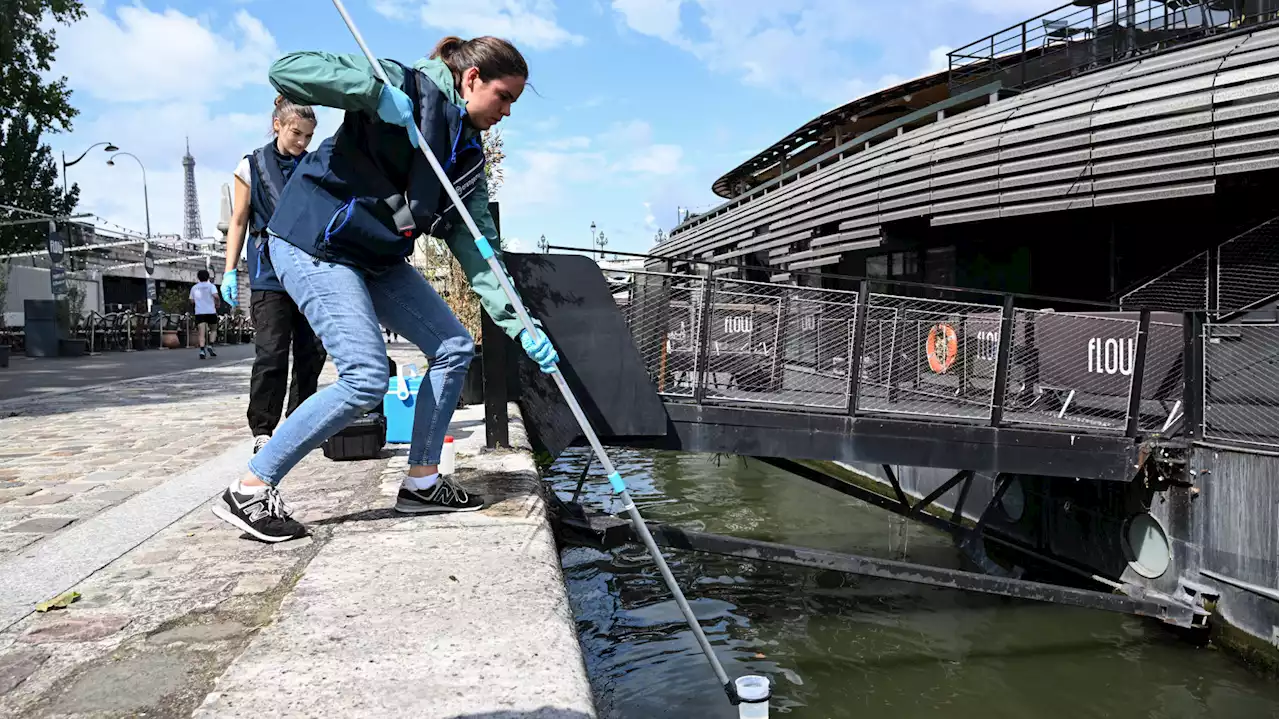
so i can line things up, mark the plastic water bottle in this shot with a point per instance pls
(753, 690)
(447, 456)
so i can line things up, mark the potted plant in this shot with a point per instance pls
(69, 311)
(172, 302)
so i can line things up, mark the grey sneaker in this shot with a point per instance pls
(260, 441)
(445, 496)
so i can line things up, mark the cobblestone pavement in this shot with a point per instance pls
(67, 457)
(153, 629)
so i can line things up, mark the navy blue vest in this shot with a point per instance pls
(365, 194)
(266, 181)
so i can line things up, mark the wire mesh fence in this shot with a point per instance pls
(1248, 269)
(1071, 369)
(780, 344)
(1161, 408)
(933, 358)
(745, 343)
(1184, 287)
(663, 313)
(1241, 395)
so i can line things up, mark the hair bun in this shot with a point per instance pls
(447, 46)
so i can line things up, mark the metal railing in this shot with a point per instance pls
(1239, 387)
(1238, 275)
(1087, 34)
(751, 344)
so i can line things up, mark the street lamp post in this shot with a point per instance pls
(542, 244)
(602, 241)
(593, 234)
(110, 147)
(146, 204)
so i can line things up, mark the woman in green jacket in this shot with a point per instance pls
(342, 229)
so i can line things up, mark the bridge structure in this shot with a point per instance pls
(894, 374)
(961, 300)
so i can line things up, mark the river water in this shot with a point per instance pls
(842, 646)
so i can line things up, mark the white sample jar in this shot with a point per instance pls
(447, 456)
(753, 690)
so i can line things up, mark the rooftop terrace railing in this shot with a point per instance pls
(1087, 34)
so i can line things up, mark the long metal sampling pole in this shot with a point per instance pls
(619, 486)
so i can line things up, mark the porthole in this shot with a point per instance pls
(1147, 545)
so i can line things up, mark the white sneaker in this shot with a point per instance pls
(260, 441)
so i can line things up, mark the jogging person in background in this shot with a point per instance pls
(341, 231)
(277, 321)
(204, 297)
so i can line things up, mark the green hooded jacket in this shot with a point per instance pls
(346, 82)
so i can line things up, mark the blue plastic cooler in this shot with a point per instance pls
(398, 405)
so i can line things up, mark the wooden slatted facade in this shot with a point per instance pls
(1160, 127)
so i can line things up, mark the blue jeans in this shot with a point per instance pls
(344, 306)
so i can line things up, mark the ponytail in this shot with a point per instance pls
(492, 56)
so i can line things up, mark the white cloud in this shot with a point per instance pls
(140, 56)
(530, 23)
(654, 160)
(623, 158)
(650, 221)
(576, 142)
(938, 60)
(147, 82)
(540, 178)
(157, 134)
(1017, 7)
(829, 50)
(515, 244)
(658, 18)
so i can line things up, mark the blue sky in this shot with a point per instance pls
(640, 104)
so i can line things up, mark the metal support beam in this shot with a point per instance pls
(942, 489)
(954, 526)
(1139, 373)
(1003, 351)
(957, 515)
(703, 348)
(859, 343)
(1193, 374)
(613, 531)
(897, 488)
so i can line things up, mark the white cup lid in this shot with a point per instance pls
(752, 687)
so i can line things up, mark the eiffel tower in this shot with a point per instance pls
(191, 228)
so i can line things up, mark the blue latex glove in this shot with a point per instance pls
(540, 350)
(230, 287)
(395, 108)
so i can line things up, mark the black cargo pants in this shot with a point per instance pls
(279, 324)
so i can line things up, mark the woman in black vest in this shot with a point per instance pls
(277, 321)
(343, 227)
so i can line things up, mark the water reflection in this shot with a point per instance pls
(843, 646)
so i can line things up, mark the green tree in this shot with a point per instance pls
(30, 105)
